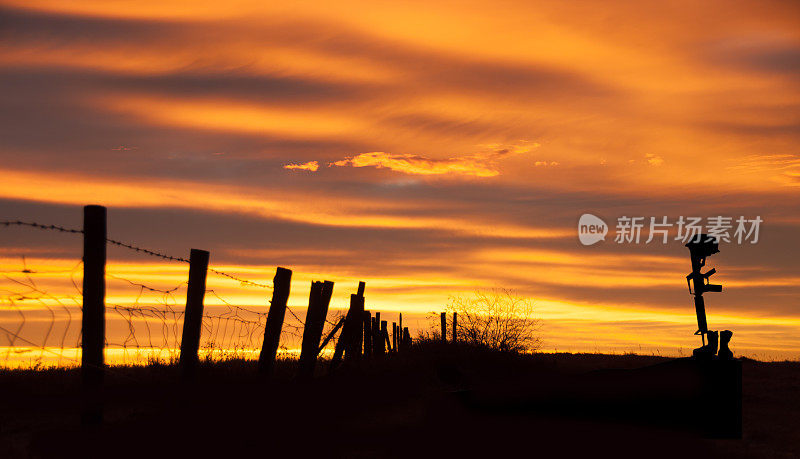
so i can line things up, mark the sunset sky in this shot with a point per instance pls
(427, 148)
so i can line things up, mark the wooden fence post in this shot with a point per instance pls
(377, 339)
(93, 323)
(277, 312)
(342, 344)
(349, 342)
(394, 337)
(384, 338)
(352, 344)
(318, 302)
(193, 316)
(367, 334)
(444, 327)
(455, 327)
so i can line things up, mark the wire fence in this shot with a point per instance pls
(40, 311)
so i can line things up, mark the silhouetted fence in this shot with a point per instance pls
(156, 326)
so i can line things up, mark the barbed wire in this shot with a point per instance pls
(239, 279)
(152, 253)
(135, 248)
(40, 226)
(65, 305)
(148, 328)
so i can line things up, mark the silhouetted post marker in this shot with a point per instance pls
(455, 327)
(700, 247)
(193, 316)
(722, 375)
(93, 324)
(406, 338)
(367, 334)
(318, 302)
(277, 312)
(444, 327)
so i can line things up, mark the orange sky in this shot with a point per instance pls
(428, 148)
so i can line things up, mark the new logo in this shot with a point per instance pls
(591, 229)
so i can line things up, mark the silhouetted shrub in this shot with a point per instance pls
(497, 319)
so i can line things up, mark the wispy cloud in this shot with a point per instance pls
(653, 160)
(478, 165)
(309, 166)
(785, 168)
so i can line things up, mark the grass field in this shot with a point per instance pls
(416, 404)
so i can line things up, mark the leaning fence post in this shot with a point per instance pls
(455, 327)
(332, 333)
(318, 302)
(277, 312)
(193, 317)
(94, 312)
(444, 327)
